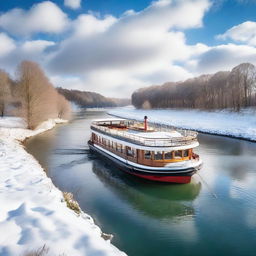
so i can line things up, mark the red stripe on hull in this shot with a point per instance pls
(170, 179)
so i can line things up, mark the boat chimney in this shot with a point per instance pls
(145, 123)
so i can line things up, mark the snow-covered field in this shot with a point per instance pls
(12, 122)
(239, 125)
(32, 210)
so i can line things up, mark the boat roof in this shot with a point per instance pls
(156, 134)
(109, 119)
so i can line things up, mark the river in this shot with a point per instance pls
(213, 215)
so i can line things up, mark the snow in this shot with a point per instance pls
(32, 210)
(225, 122)
(12, 122)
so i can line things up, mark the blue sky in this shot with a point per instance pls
(115, 46)
(223, 14)
(115, 7)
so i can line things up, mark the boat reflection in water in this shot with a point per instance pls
(149, 198)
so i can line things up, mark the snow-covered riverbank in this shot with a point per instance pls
(239, 125)
(32, 210)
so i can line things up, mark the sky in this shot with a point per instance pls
(115, 47)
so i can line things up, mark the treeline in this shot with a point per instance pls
(86, 99)
(31, 96)
(224, 89)
(121, 102)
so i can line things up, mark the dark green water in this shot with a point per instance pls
(149, 219)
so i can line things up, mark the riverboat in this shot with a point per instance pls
(148, 151)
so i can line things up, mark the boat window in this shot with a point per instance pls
(119, 147)
(147, 154)
(130, 152)
(168, 155)
(178, 154)
(158, 155)
(185, 153)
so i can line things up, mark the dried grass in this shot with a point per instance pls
(39, 252)
(107, 237)
(42, 251)
(71, 202)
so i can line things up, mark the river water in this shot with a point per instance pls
(213, 215)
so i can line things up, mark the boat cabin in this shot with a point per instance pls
(144, 144)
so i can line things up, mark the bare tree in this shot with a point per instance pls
(146, 105)
(63, 107)
(5, 92)
(91, 99)
(39, 96)
(242, 81)
(224, 89)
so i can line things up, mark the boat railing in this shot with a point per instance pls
(187, 137)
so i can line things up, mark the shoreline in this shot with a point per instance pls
(36, 214)
(130, 115)
(203, 132)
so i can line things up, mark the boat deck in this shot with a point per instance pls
(134, 132)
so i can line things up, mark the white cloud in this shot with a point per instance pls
(223, 57)
(7, 44)
(111, 83)
(244, 32)
(121, 82)
(36, 45)
(116, 56)
(88, 25)
(73, 4)
(34, 50)
(44, 17)
(111, 53)
(166, 14)
(71, 82)
(172, 73)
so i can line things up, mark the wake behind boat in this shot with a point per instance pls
(147, 151)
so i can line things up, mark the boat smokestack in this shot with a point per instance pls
(145, 123)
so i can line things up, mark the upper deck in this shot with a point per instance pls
(143, 134)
